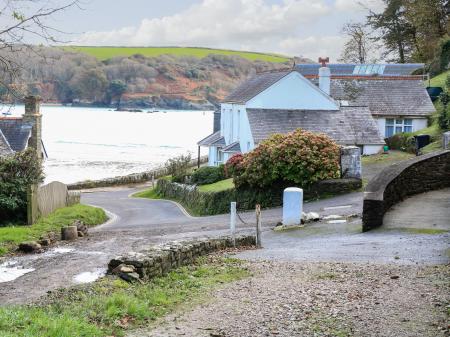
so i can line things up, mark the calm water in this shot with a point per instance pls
(94, 143)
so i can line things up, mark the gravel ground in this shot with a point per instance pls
(320, 299)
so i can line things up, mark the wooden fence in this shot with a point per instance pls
(43, 200)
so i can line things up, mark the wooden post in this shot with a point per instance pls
(153, 181)
(32, 205)
(198, 158)
(233, 222)
(258, 226)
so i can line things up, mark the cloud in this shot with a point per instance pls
(359, 5)
(217, 23)
(314, 46)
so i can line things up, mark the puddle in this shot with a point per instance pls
(333, 217)
(337, 221)
(89, 276)
(337, 207)
(61, 250)
(9, 273)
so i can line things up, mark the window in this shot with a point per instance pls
(248, 146)
(394, 126)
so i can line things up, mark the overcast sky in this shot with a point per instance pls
(309, 28)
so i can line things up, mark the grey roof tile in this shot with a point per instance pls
(16, 132)
(308, 69)
(233, 147)
(255, 85)
(395, 97)
(5, 149)
(214, 139)
(348, 126)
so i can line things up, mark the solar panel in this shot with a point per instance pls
(362, 69)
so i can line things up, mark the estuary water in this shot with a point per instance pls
(94, 143)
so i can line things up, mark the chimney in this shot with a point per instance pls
(33, 116)
(324, 75)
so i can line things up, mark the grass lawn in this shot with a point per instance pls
(110, 307)
(439, 80)
(11, 236)
(218, 186)
(147, 194)
(104, 53)
(392, 156)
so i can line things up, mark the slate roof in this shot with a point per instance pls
(16, 132)
(255, 85)
(348, 126)
(5, 149)
(214, 139)
(387, 97)
(356, 69)
(233, 147)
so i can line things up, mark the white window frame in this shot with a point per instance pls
(398, 125)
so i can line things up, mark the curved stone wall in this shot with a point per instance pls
(396, 182)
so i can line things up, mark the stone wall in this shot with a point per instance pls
(351, 162)
(130, 179)
(161, 259)
(396, 182)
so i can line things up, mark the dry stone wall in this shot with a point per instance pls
(129, 179)
(396, 182)
(161, 259)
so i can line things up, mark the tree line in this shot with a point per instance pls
(404, 31)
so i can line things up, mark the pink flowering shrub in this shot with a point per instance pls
(234, 165)
(300, 157)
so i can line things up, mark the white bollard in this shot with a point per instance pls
(292, 206)
(233, 222)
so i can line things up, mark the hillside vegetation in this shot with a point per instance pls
(105, 53)
(168, 81)
(439, 80)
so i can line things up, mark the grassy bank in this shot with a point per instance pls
(11, 236)
(218, 186)
(104, 53)
(439, 80)
(110, 307)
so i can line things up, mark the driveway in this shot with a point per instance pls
(134, 225)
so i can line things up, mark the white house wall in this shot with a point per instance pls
(417, 124)
(212, 156)
(371, 149)
(292, 92)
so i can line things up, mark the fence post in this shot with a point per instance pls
(153, 181)
(258, 226)
(32, 204)
(233, 222)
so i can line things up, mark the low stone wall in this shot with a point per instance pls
(134, 178)
(396, 182)
(160, 260)
(211, 203)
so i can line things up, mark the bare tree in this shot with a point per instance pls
(358, 47)
(23, 24)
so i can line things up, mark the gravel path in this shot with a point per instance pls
(321, 299)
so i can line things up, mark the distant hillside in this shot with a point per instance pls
(171, 81)
(105, 53)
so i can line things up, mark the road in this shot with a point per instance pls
(134, 225)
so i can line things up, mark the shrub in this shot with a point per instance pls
(178, 167)
(17, 173)
(208, 175)
(299, 157)
(443, 109)
(234, 165)
(401, 141)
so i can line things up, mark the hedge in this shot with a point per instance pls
(212, 203)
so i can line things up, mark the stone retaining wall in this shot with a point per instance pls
(160, 260)
(396, 182)
(130, 179)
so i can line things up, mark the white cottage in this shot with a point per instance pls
(282, 101)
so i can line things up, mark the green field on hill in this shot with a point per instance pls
(104, 53)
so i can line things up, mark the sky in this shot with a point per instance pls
(308, 28)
